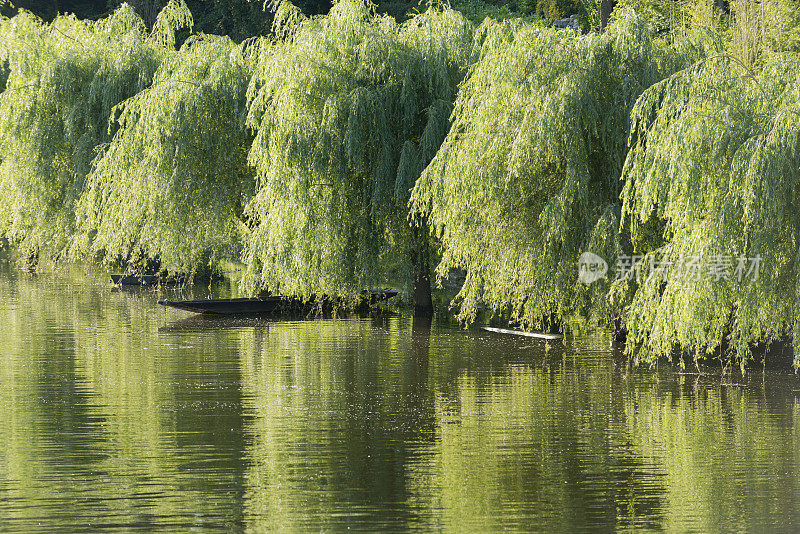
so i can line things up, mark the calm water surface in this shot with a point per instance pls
(118, 414)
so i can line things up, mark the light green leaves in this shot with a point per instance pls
(715, 156)
(528, 177)
(173, 182)
(348, 110)
(175, 16)
(63, 80)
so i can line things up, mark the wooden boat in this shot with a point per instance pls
(245, 306)
(146, 279)
(274, 305)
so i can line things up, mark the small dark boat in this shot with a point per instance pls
(143, 280)
(273, 305)
(254, 306)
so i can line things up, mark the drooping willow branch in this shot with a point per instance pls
(76, 72)
(528, 177)
(348, 109)
(727, 189)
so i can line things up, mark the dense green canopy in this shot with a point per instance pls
(173, 183)
(63, 80)
(528, 177)
(335, 154)
(715, 161)
(348, 109)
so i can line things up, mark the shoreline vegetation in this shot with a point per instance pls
(333, 149)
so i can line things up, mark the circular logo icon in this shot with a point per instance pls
(591, 267)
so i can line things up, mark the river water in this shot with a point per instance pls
(116, 413)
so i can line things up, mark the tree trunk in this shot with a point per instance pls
(423, 303)
(606, 7)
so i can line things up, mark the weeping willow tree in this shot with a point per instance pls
(528, 177)
(63, 80)
(715, 163)
(172, 184)
(349, 108)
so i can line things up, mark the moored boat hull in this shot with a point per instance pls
(275, 305)
(145, 279)
(230, 306)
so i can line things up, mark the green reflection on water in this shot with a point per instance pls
(116, 413)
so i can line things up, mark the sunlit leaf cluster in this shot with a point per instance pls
(63, 80)
(529, 175)
(334, 155)
(715, 158)
(173, 182)
(348, 109)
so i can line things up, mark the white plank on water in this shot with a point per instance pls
(521, 333)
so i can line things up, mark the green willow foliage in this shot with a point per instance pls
(751, 30)
(348, 108)
(528, 177)
(330, 156)
(715, 160)
(173, 183)
(63, 80)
